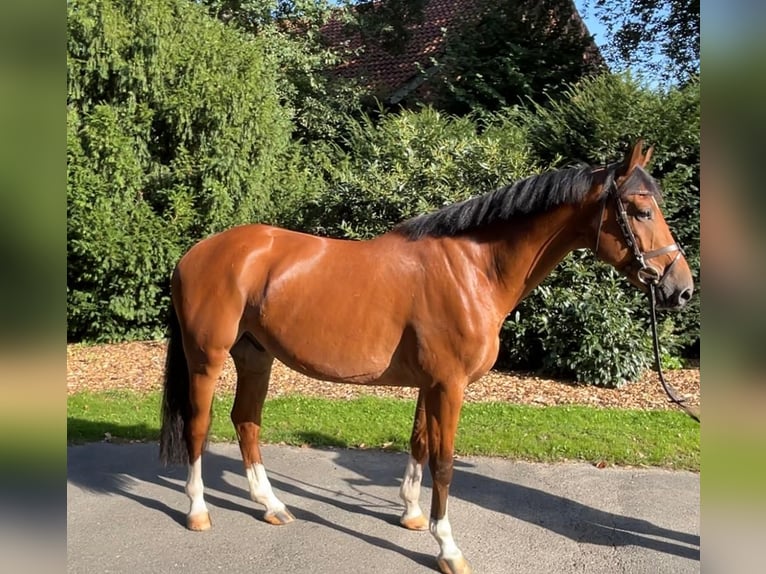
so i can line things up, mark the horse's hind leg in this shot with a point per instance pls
(253, 371)
(413, 517)
(204, 371)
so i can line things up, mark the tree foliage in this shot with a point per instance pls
(290, 32)
(410, 163)
(387, 24)
(661, 38)
(514, 51)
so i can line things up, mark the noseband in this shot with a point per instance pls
(649, 276)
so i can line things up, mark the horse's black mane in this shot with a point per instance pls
(535, 194)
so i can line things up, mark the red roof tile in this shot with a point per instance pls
(382, 71)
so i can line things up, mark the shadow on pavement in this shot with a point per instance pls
(116, 476)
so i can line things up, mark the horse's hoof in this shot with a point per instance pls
(198, 522)
(279, 518)
(419, 522)
(454, 565)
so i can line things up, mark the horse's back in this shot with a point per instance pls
(257, 256)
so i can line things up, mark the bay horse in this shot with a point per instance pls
(419, 306)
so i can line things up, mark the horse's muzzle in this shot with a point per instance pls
(671, 296)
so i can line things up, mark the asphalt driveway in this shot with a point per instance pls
(126, 513)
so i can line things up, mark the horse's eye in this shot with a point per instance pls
(644, 214)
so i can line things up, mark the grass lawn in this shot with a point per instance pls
(622, 437)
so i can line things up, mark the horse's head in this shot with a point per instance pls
(634, 237)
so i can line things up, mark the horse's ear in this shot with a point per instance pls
(648, 156)
(634, 157)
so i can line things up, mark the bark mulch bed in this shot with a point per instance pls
(138, 367)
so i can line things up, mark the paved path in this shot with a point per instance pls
(126, 514)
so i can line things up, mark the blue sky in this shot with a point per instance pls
(594, 26)
(599, 32)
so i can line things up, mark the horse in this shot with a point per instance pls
(420, 306)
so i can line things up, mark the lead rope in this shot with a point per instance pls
(669, 390)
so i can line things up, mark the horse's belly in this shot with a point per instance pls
(335, 372)
(348, 367)
(337, 316)
(340, 351)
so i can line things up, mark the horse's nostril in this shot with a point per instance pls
(684, 296)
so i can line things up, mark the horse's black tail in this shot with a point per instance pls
(176, 404)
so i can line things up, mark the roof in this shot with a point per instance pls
(384, 72)
(394, 75)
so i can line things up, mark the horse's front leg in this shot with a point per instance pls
(443, 404)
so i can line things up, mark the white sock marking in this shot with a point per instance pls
(195, 488)
(260, 488)
(409, 492)
(442, 531)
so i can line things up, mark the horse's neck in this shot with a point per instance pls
(525, 252)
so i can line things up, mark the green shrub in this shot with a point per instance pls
(411, 163)
(174, 131)
(580, 325)
(119, 250)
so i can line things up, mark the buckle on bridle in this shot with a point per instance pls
(648, 275)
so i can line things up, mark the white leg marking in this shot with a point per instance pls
(442, 531)
(409, 492)
(260, 489)
(195, 488)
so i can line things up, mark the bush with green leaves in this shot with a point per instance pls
(581, 325)
(174, 131)
(411, 163)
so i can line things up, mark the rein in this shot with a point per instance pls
(650, 277)
(669, 390)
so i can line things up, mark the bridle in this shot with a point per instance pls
(648, 275)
